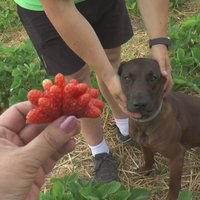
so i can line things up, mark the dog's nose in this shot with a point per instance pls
(139, 105)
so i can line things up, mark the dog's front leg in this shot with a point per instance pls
(146, 169)
(176, 161)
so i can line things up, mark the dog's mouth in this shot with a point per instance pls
(146, 115)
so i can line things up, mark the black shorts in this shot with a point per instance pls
(109, 19)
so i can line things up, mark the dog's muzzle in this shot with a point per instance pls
(154, 115)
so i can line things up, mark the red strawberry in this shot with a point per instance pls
(47, 84)
(84, 99)
(93, 92)
(75, 82)
(81, 88)
(60, 99)
(69, 105)
(97, 103)
(92, 111)
(71, 89)
(56, 93)
(34, 95)
(60, 80)
(38, 116)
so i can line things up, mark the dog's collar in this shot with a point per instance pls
(151, 117)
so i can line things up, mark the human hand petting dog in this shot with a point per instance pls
(160, 53)
(28, 152)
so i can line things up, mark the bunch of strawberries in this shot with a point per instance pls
(61, 98)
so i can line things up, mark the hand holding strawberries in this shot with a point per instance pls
(28, 152)
(60, 99)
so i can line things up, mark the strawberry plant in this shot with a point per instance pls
(19, 72)
(185, 195)
(8, 15)
(24, 78)
(75, 188)
(133, 8)
(185, 54)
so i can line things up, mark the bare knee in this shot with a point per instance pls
(114, 57)
(82, 76)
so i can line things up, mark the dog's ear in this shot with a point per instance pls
(121, 68)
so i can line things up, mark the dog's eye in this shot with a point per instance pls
(153, 78)
(126, 78)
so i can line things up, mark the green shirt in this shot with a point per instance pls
(35, 4)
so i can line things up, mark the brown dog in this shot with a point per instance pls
(166, 125)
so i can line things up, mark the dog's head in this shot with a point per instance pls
(143, 85)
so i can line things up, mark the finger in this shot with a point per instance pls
(30, 131)
(10, 136)
(68, 147)
(168, 87)
(14, 118)
(163, 68)
(51, 139)
(169, 82)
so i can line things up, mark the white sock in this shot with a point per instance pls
(100, 148)
(123, 126)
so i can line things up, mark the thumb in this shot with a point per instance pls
(52, 138)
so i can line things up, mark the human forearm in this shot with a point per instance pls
(78, 34)
(155, 16)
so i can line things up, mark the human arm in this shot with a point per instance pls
(82, 39)
(155, 17)
(28, 152)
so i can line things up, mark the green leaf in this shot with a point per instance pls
(185, 195)
(123, 194)
(72, 178)
(16, 83)
(196, 80)
(45, 197)
(196, 54)
(188, 61)
(140, 194)
(68, 196)
(22, 94)
(180, 54)
(190, 22)
(109, 188)
(13, 100)
(57, 188)
(90, 193)
(74, 188)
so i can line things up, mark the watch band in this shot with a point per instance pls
(161, 40)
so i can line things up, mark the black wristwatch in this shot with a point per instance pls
(161, 40)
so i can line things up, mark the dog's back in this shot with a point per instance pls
(187, 111)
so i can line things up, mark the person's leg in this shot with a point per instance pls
(90, 128)
(114, 29)
(121, 119)
(92, 131)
